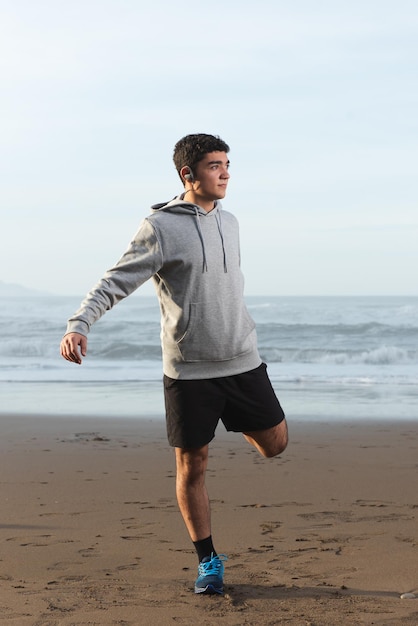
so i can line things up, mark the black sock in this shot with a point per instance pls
(204, 548)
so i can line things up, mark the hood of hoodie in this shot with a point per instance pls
(180, 206)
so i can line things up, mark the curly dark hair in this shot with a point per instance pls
(191, 149)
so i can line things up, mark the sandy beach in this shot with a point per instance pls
(91, 533)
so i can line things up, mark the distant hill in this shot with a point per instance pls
(8, 290)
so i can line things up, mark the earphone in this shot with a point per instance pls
(189, 176)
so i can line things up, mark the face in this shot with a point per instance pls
(211, 178)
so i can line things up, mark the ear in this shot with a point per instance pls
(186, 174)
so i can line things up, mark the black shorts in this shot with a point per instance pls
(244, 402)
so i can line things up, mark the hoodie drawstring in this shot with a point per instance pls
(219, 223)
(199, 230)
(202, 241)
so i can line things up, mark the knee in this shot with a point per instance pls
(274, 449)
(281, 443)
(191, 465)
(276, 444)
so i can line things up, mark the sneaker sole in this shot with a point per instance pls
(209, 590)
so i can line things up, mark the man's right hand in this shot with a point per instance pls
(73, 347)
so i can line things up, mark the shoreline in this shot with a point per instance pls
(143, 399)
(91, 533)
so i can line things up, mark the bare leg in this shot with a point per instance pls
(191, 491)
(270, 442)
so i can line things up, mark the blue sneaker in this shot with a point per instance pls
(211, 572)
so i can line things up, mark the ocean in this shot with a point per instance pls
(328, 358)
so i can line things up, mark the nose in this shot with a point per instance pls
(225, 173)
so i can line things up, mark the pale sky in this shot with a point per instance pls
(318, 101)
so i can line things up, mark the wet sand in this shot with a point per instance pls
(91, 533)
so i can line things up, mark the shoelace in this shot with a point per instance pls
(213, 566)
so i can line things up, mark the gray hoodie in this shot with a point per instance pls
(193, 258)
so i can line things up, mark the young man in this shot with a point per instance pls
(212, 369)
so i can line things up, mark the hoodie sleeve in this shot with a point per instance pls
(141, 261)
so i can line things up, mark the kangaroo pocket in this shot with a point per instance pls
(212, 336)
